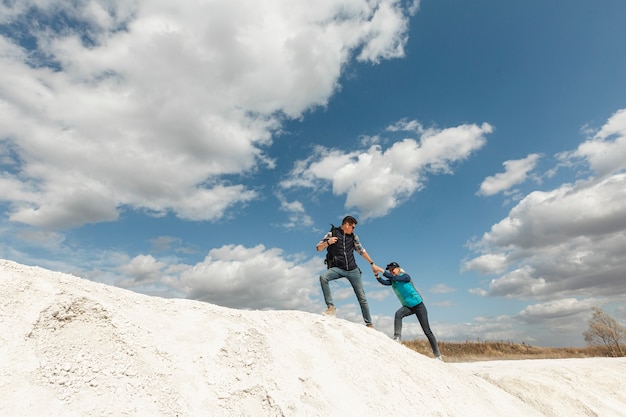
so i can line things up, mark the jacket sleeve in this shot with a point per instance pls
(383, 280)
(399, 278)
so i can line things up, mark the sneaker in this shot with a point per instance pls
(370, 325)
(330, 311)
(397, 339)
(439, 358)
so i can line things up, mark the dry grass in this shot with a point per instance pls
(485, 351)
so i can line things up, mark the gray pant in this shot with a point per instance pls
(354, 276)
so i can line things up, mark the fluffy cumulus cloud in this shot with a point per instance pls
(565, 242)
(562, 309)
(297, 216)
(605, 151)
(515, 172)
(401, 169)
(232, 276)
(255, 278)
(158, 105)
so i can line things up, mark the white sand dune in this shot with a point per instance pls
(72, 347)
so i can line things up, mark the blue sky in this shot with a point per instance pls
(201, 150)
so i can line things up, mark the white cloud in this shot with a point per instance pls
(68, 207)
(297, 214)
(405, 125)
(399, 171)
(482, 328)
(568, 241)
(231, 276)
(442, 289)
(148, 105)
(487, 263)
(252, 278)
(605, 151)
(164, 243)
(515, 172)
(144, 268)
(557, 310)
(384, 39)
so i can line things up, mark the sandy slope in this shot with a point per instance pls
(71, 347)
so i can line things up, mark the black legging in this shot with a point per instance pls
(422, 316)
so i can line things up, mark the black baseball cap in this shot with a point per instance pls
(392, 265)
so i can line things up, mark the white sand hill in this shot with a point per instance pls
(72, 347)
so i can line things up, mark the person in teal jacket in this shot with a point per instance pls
(411, 300)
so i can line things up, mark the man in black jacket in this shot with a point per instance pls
(341, 242)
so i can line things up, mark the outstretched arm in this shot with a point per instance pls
(398, 278)
(382, 280)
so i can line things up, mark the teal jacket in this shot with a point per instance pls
(403, 287)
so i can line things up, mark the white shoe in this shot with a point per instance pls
(439, 358)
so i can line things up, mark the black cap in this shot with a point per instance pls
(392, 265)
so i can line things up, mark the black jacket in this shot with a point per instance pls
(341, 253)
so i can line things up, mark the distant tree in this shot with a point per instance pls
(604, 330)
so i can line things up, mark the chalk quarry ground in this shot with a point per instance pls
(72, 347)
